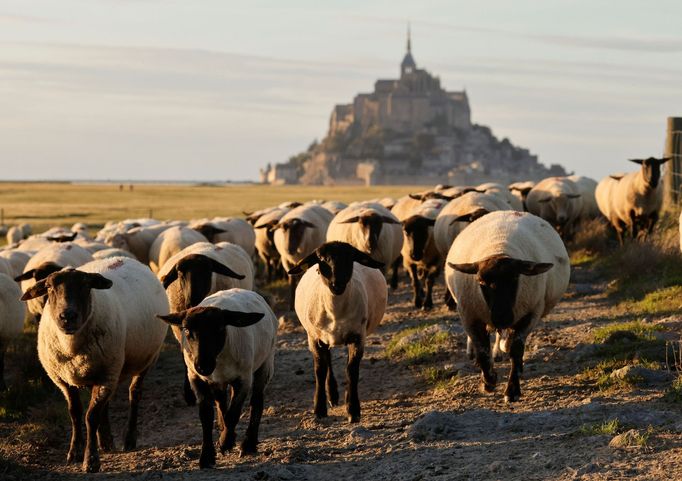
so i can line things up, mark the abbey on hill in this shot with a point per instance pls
(408, 131)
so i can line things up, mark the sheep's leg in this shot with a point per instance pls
(481, 342)
(220, 394)
(321, 355)
(293, 282)
(270, 270)
(260, 380)
(416, 286)
(188, 393)
(104, 437)
(355, 352)
(513, 391)
(75, 406)
(430, 280)
(331, 386)
(651, 222)
(241, 388)
(98, 400)
(134, 397)
(497, 351)
(3, 348)
(618, 226)
(205, 399)
(470, 349)
(450, 301)
(394, 274)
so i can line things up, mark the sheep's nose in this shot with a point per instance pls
(68, 315)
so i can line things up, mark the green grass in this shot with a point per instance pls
(674, 394)
(637, 328)
(419, 350)
(439, 378)
(607, 428)
(600, 374)
(633, 340)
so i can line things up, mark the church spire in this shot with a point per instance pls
(409, 39)
(408, 65)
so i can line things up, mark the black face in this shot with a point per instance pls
(209, 231)
(293, 233)
(652, 172)
(373, 224)
(69, 295)
(205, 330)
(335, 261)
(417, 232)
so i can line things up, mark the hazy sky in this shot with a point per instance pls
(215, 89)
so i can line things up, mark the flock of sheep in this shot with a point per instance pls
(104, 304)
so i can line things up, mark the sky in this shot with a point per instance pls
(216, 89)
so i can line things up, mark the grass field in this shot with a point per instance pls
(46, 204)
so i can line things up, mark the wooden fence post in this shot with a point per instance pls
(673, 171)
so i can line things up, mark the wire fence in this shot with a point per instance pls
(673, 148)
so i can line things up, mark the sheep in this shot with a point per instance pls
(47, 260)
(558, 201)
(137, 240)
(228, 229)
(265, 240)
(587, 188)
(82, 230)
(228, 339)
(297, 234)
(520, 190)
(98, 327)
(507, 270)
(12, 313)
(253, 217)
(14, 235)
(637, 198)
(388, 202)
(334, 206)
(603, 194)
(341, 299)
(502, 192)
(17, 260)
(170, 242)
(92, 246)
(111, 252)
(421, 258)
(371, 228)
(199, 270)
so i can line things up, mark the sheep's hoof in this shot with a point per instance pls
(107, 444)
(418, 303)
(321, 414)
(207, 459)
(428, 305)
(227, 442)
(130, 442)
(248, 447)
(488, 385)
(353, 418)
(499, 357)
(75, 455)
(91, 463)
(512, 394)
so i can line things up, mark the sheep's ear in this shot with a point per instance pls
(25, 276)
(389, 220)
(471, 216)
(545, 200)
(364, 259)
(39, 289)
(174, 319)
(573, 196)
(663, 160)
(616, 177)
(528, 268)
(415, 196)
(351, 220)
(525, 190)
(304, 264)
(307, 224)
(278, 225)
(240, 319)
(636, 161)
(469, 268)
(222, 269)
(98, 281)
(171, 277)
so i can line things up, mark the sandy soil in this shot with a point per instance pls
(409, 430)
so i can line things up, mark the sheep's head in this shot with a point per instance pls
(269, 230)
(209, 231)
(651, 169)
(498, 278)
(293, 230)
(417, 229)
(560, 205)
(60, 238)
(372, 224)
(68, 293)
(194, 274)
(335, 262)
(423, 197)
(471, 216)
(203, 328)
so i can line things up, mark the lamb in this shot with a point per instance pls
(507, 270)
(459, 213)
(170, 242)
(47, 260)
(587, 188)
(199, 270)
(558, 201)
(502, 192)
(520, 190)
(371, 228)
(12, 313)
(297, 234)
(228, 339)
(636, 199)
(265, 240)
(421, 258)
(228, 229)
(341, 299)
(98, 327)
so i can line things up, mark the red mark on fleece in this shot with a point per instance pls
(218, 248)
(115, 265)
(516, 213)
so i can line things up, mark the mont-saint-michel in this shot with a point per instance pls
(409, 130)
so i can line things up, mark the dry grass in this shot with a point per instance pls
(47, 204)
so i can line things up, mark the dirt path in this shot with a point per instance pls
(409, 429)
